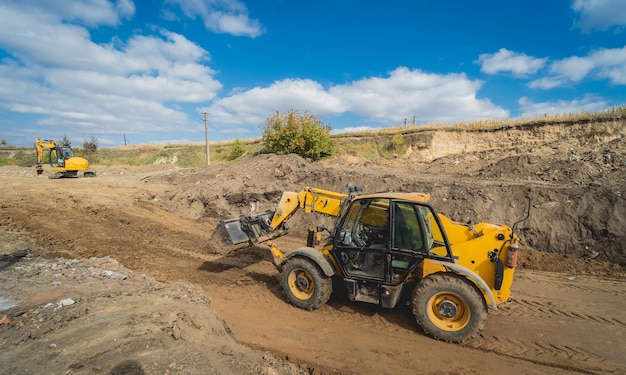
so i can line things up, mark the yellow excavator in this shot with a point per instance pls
(62, 160)
(384, 244)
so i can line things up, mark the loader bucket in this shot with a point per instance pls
(222, 242)
(245, 231)
(235, 233)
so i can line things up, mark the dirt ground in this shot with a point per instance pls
(119, 278)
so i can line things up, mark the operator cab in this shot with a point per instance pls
(381, 241)
(59, 155)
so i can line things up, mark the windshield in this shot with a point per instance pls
(66, 152)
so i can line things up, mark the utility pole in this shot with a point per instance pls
(206, 134)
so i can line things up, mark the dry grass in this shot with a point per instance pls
(394, 140)
(610, 114)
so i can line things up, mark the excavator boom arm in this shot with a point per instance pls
(40, 145)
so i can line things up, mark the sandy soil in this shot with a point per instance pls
(130, 248)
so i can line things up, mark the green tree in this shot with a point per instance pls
(237, 150)
(291, 133)
(64, 141)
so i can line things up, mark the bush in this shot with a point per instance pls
(237, 150)
(395, 143)
(90, 146)
(290, 133)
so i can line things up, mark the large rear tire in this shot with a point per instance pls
(304, 283)
(449, 308)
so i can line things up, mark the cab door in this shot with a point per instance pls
(410, 240)
(380, 241)
(362, 244)
(361, 248)
(416, 227)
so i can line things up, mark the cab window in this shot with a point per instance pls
(367, 224)
(409, 228)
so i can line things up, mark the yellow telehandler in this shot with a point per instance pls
(62, 160)
(382, 243)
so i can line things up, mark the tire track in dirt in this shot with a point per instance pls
(566, 357)
(547, 300)
(614, 290)
(544, 353)
(525, 349)
(265, 290)
(373, 322)
(523, 307)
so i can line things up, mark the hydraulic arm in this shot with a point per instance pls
(271, 224)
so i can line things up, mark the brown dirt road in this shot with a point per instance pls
(157, 221)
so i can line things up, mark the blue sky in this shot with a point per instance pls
(148, 69)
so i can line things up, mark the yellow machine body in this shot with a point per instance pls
(383, 242)
(62, 160)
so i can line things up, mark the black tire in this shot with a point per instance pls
(304, 283)
(449, 308)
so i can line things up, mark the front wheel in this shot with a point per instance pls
(304, 283)
(448, 308)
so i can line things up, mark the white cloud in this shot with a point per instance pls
(599, 14)
(255, 105)
(53, 69)
(125, 8)
(355, 129)
(573, 68)
(87, 12)
(222, 16)
(603, 64)
(547, 83)
(518, 64)
(407, 93)
(589, 103)
(238, 24)
(610, 64)
(386, 101)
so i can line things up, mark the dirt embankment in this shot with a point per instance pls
(95, 316)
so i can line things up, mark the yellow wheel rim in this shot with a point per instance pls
(301, 284)
(448, 312)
